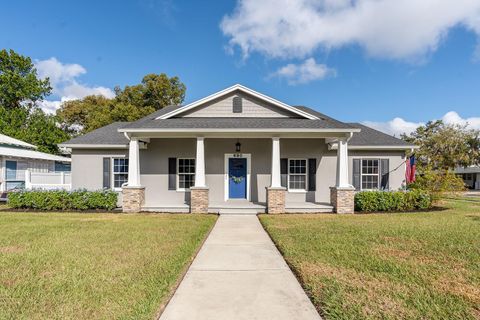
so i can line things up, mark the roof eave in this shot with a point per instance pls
(375, 147)
(93, 146)
(230, 130)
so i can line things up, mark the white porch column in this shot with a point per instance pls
(342, 164)
(28, 180)
(276, 178)
(200, 164)
(134, 163)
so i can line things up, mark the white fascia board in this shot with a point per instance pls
(31, 154)
(240, 130)
(94, 146)
(239, 87)
(350, 147)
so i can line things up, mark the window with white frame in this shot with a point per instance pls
(297, 174)
(120, 172)
(370, 174)
(186, 173)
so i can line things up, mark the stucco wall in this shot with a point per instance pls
(87, 167)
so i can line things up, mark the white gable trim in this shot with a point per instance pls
(15, 142)
(245, 90)
(31, 154)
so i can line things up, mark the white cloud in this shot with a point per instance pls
(454, 118)
(64, 80)
(397, 126)
(305, 72)
(406, 29)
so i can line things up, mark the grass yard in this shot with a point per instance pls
(93, 266)
(387, 266)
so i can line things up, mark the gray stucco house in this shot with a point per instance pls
(237, 150)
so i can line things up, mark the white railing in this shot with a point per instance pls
(48, 180)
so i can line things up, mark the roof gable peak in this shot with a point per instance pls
(241, 88)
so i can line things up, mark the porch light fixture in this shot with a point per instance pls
(238, 145)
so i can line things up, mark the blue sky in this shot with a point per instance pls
(416, 69)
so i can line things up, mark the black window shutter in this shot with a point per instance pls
(356, 174)
(237, 105)
(385, 175)
(283, 172)
(312, 174)
(106, 173)
(172, 173)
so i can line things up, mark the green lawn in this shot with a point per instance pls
(387, 266)
(93, 266)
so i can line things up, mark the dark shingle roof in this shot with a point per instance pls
(372, 137)
(236, 123)
(107, 135)
(150, 122)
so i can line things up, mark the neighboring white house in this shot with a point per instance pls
(471, 176)
(22, 166)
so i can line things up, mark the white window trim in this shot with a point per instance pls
(177, 174)
(112, 172)
(370, 174)
(297, 174)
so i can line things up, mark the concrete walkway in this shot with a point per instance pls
(239, 274)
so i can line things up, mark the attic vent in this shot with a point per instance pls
(237, 105)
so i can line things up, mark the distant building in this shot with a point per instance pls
(18, 158)
(471, 176)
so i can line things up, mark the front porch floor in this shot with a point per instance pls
(246, 207)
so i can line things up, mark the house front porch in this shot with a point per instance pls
(242, 175)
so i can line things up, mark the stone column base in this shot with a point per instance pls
(133, 199)
(199, 200)
(276, 200)
(342, 199)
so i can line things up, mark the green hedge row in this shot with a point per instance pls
(63, 200)
(369, 201)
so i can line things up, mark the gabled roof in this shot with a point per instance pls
(155, 122)
(6, 140)
(366, 139)
(234, 88)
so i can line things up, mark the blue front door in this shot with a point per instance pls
(237, 178)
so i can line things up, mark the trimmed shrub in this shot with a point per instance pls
(370, 201)
(63, 200)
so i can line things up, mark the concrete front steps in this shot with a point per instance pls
(243, 207)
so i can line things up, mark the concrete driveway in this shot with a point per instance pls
(239, 274)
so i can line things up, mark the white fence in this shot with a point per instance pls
(48, 180)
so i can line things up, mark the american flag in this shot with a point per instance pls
(410, 173)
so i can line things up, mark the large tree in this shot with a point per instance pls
(445, 146)
(34, 126)
(20, 89)
(19, 83)
(93, 112)
(156, 91)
